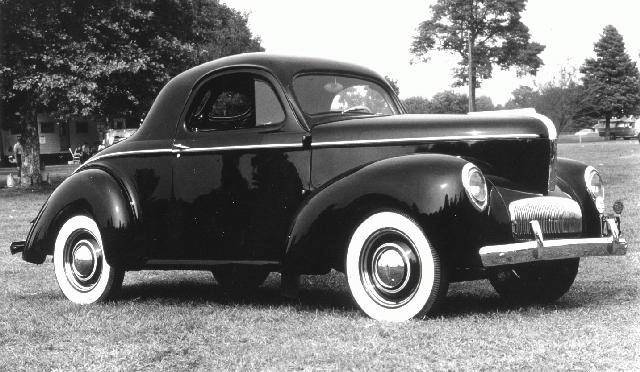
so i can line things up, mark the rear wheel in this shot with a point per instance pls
(240, 278)
(540, 282)
(82, 272)
(393, 272)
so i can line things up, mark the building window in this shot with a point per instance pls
(47, 127)
(82, 127)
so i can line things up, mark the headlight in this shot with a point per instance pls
(594, 185)
(475, 186)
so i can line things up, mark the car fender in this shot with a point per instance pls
(93, 192)
(571, 181)
(426, 187)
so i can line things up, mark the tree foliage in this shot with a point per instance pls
(448, 102)
(104, 57)
(393, 83)
(522, 97)
(558, 99)
(611, 80)
(484, 103)
(416, 105)
(445, 102)
(485, 33)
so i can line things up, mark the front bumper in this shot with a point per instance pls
(542, 250)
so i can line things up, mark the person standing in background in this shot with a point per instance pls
(17, 152)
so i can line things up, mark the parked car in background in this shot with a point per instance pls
(626, 128)
(257, 163)
(585, 132)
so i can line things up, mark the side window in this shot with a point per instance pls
(268, 108)
(234, 101)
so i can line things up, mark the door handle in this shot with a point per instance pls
(180, 146)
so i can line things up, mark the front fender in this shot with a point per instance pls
(95, 193)
(571, 181)
(427, 187)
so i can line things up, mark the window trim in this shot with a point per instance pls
(257, 74)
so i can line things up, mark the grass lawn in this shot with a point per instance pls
(182, 320)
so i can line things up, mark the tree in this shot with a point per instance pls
(416, 105)
(79, 58)
(484, 33)
(559, 99)
(611, 80)
(484, 103)
(448, 102)
(393, 83)
(523, 97)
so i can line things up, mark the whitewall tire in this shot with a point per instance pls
(393, 272)
(82, 272)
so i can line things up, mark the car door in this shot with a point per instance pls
(240, 171)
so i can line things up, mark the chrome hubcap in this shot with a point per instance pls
(82, 260)
(390, 268)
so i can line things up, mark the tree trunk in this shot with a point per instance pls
(472, 78)
(607, 127)
(30, 141)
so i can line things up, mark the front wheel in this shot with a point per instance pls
(82, 272)
(540, 282)
(393, 272)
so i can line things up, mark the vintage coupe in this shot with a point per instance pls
(257, 163)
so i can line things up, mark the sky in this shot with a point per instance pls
(378, 34)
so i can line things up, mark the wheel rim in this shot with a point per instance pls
(389, 268)
(82, 260)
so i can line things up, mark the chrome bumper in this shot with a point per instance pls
(542, 250)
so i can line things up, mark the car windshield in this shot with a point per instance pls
(326, 97)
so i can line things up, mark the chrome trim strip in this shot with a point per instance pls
(162, 262)
(122, 153)
(422, 139)
(243, 147)
(184, 149)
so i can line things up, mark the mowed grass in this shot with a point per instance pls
(182, 320)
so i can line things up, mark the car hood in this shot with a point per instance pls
(518, 148)
(419, 128)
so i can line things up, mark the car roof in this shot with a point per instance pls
(284, 67)
(165, 112)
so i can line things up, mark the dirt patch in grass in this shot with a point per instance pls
(183, 320)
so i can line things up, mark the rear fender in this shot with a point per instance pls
(92, 192)
(426, 187)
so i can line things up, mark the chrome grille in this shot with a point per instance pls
(557, 216)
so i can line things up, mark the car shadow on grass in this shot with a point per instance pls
(311, 297)
(330, 292)
(478, 298)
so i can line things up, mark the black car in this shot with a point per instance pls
(257, 163)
